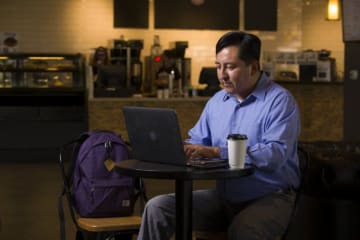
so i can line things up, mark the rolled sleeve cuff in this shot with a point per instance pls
(223, 153)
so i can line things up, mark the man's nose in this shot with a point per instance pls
(221, 73)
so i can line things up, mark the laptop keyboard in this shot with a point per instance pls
(207, 163)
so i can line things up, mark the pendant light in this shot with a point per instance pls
(197, 2)
(333, 10)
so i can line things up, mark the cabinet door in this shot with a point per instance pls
(18, 134)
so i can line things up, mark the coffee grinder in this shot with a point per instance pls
(127, 54)
(154, 64)
(121, 76)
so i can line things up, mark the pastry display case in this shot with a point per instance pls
(43, 104)
(20, 70)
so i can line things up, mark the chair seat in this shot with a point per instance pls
(109, 224)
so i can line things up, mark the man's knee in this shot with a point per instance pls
(243, 231)
(254, 230)
(159, 204)
(266, 218)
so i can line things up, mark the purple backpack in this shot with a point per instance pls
(98, 190)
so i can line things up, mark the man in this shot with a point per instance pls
(253, 207)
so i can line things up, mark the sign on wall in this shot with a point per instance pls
(260, 15)
(8, 42)
(131, 13)
(197, 14)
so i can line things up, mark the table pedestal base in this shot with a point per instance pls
(183, 198)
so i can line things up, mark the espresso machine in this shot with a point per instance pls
(317, 66)
(307, 61)
(155, 63)
(326, 67)
(121, 76)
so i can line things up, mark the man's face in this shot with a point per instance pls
(235, 76)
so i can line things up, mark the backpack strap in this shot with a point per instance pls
(74, 153)
(140, 193)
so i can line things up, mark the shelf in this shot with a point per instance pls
(62, 91)
(50, 69)
(43, 102)
(42, 70)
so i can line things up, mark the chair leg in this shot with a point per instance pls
(118, 236)
(123, 236)
(79, 235)
(103, 236)
(88, 236)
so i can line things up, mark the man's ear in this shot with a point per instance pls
(255, 67)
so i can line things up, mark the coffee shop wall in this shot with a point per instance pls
(73, 26)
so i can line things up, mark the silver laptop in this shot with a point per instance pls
(154, 135)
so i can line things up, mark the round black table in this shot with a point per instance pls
(183, 177)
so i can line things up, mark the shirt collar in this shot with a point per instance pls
(261, 87)
(259, 92)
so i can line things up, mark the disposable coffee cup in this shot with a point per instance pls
(237, 150)
(166, 93)
(160, 93)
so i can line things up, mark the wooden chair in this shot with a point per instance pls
(304, 159)
(303, 165)
(109, 228)
(105, 228)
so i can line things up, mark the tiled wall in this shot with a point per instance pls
(324, 34)
(81, 25)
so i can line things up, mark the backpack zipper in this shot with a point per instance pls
(108, 147)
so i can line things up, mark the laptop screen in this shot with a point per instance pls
(154, 134)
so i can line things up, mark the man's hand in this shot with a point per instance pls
(200, 151)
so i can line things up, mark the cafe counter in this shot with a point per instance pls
(106, 113)
(321, 108)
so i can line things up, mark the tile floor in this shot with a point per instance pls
(29, 198)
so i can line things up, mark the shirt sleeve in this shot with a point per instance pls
(200, 133)
(203, 131)
(280, 131)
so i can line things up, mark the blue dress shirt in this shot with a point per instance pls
(269, 117)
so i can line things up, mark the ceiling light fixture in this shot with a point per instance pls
(333, 10)
(197, 2)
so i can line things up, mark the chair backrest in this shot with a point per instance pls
(304, 158)
(68, 154)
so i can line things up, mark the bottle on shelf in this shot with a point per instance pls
(171, 83)
(156, 49)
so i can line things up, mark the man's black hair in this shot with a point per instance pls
(249, 45)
